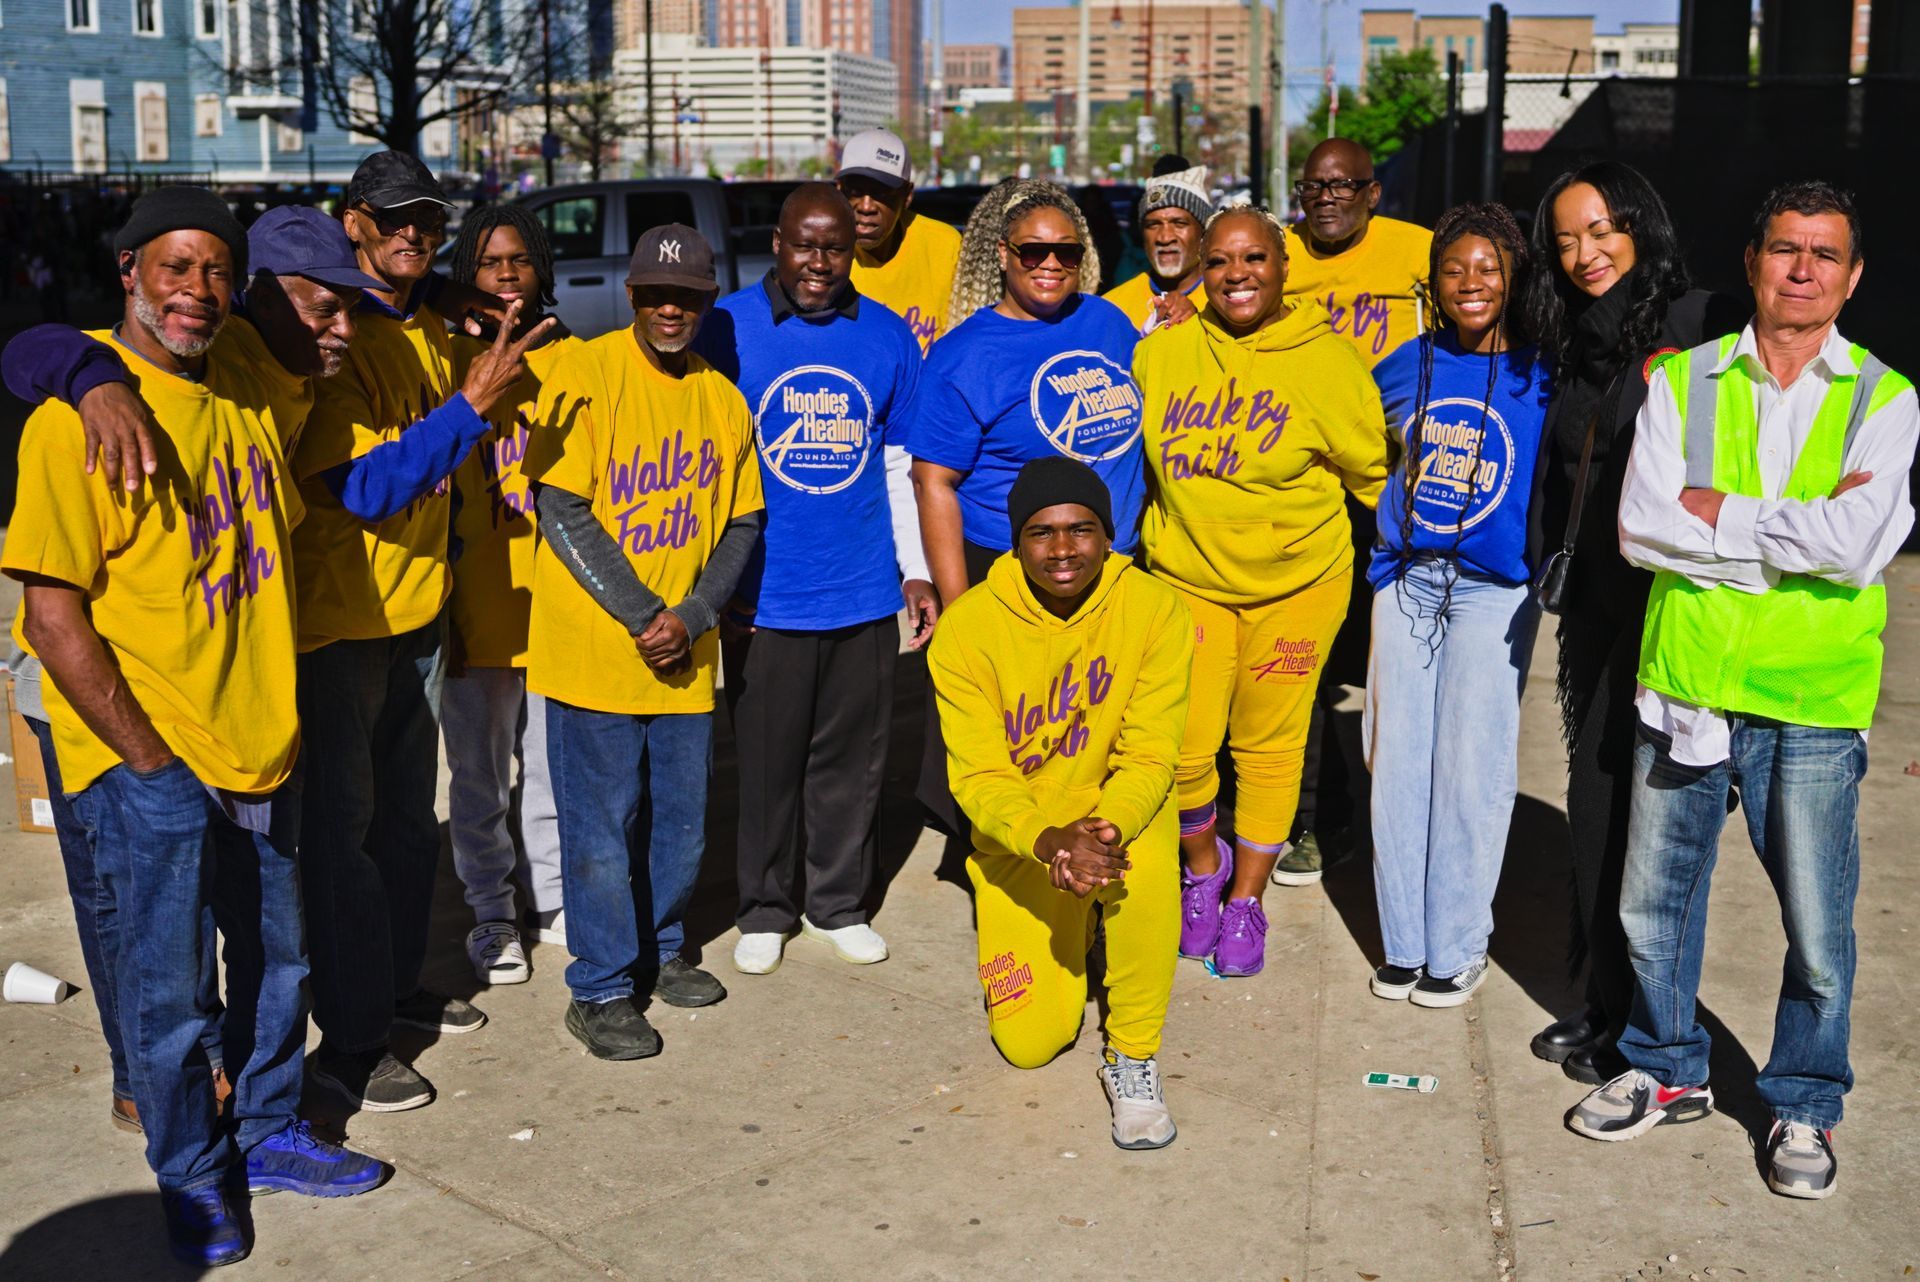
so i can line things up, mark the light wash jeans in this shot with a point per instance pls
(1441, 728)
(1800, 789)
(489, 721)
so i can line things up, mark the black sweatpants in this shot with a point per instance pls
(811, 716)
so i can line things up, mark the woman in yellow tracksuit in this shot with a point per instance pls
(1256, 417)
(1062, 689)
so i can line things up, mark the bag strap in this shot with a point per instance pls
(1586, 460)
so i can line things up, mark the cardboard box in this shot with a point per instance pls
(29, 773)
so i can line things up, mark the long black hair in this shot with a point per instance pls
(1494, 223)
(478, 228)
(1658, 277)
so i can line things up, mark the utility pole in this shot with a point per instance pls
(1496, 116)
(1083, 98)
(937, 86)
(651, 158)
(1453, 128)
(1277, 74)
(549, 144)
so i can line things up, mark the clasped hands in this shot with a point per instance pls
(1083, 856)
(665, 644)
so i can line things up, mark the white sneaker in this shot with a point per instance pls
(759, 952)
(494, 949)
(1140, 1116)
(859, 944)
(548, 928)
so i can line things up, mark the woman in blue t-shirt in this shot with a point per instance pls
(1043, 368)
(1453, 612)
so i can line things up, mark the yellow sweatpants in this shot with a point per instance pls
(1255, 669)
(1034, 941)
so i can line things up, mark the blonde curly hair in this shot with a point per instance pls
(978, 281)
(1275, 228)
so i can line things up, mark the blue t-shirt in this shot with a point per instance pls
(1476, 457)
(1000, 392)
(827, 391)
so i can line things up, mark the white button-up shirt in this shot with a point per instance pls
(1849, 540)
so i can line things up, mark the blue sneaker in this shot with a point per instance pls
(202, 1229)
(297, 1160)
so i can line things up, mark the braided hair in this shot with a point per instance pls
(479, 227)
(1495, 224)
(978, 282)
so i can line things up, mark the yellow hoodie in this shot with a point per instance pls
(1249, 442)
(1049, 720)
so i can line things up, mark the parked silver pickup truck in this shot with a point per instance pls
(594, 227)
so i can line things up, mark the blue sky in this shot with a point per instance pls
(991, 21)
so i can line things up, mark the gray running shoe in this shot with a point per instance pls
(1800, 1161)
(1140, 1116)
(1633, 1103)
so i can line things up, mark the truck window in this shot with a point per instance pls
(648, 209)
(575, 224)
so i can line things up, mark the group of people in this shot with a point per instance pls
(1124, 530)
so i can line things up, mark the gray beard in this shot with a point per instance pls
(154, 321)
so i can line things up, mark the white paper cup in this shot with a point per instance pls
(25, 984)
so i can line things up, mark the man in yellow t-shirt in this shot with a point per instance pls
(375, 466)
(164, 618)
(648, 492)
(1173, 211)
(1370, 273)
(488, 720)
(900, 260)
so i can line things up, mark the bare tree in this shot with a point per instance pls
(596, 115)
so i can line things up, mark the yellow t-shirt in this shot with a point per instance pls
(188, 579)
(917, 282)
(1250, 442)
(1374, 291)
(666, 463)
(494, 522)
(357, 580)
(1135, 296)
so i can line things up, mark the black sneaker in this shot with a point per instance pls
(438, 1014)
(1452, 990)
(1394, 982)
(1800, 1160)
(613, 1030)
(372, 1081)
(681, 983)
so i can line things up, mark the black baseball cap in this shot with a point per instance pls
(673, 254)
(294, 240)
(388, 179)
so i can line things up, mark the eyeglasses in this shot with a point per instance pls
(1338, 188)
(1036, 252)
(391, 222)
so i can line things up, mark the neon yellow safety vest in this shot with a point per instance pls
(1807, 652)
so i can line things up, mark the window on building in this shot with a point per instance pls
(90, 138)
(1467, 63)
(207, 119)
(1610, 60)
(360, 17)
(81, 16)
(288, 137)
(150, 121)
(146, 17)
(207, 16)
(6, 127)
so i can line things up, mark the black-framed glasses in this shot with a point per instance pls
(1034, 253)
(1338, 188)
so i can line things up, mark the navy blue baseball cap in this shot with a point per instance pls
(294, 240)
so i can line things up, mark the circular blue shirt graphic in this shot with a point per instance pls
(815, 423)
(1086, 405)
(1466, 464)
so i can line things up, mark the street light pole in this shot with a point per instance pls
(1277, 73)
(1083, 99)
(650, 150)
(546, 86)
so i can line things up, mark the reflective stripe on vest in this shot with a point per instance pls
(1808, 651)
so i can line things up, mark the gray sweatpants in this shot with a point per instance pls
(490, 720)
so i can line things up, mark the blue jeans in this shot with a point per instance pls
(632, 797)
(170, 867)
(1800, 789)
(1441, 729)
(83, 889)
(370, 841)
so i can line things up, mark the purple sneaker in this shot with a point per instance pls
(1242, 949)
(1200, 905)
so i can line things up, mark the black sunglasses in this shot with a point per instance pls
(1036, 252)
(391, 224)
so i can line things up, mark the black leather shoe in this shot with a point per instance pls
(680, 983)
(1565, 1036)
(1594, 1064)
(613, 1030)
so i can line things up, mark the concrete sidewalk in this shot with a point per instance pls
(830, 1121)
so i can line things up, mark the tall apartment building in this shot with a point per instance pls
(670, 18)
(889, 30)
(1535, 45)
(1136, 47)
(975, 67)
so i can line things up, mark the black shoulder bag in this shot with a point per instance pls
(1550, 585)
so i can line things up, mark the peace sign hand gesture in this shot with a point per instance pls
(498, 368)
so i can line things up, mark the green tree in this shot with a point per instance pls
(1405, 93)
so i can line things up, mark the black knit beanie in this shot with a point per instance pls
(166, 209)
(1046, 482)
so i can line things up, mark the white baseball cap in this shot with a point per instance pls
(879, 155)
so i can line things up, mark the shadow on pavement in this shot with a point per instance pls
(108, 1239)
